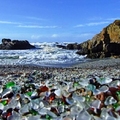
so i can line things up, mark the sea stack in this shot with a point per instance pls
(8, 44)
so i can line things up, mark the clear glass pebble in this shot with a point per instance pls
(6, 92)
(103, 89)
(58, 92)
(37, 117)
(96, 104)
(83, 115)
(103, 80)
(1, 106)
(114, 83)
(24, 109)
(42, 111)
(61, 108)
(110, 100)
(78, 98)
(70, 100)
(14, 116)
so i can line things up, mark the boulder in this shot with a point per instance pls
(73, 46)
(8, 44)
(104, 44)
(5, 41)
(61, 46)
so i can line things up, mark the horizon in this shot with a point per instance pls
(56, 20)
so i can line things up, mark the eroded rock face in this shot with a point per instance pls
(104, 44)
(8, 44)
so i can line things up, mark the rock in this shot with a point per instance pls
(73, 46)
(8, 44)
(104, 44)
(61, 46)
(5, 41)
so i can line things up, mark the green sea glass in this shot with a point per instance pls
(10, 84)
(48, 117)
(29, 93)
(118, 94)
(102, 79)
(116, 105)
(33, 112)
(4, 102)
(61, 103)
(87, 98)
(75, 84)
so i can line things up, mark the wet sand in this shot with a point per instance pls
(106, 67)
(100, 63)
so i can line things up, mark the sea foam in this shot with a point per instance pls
(46, 54)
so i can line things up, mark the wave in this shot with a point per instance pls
(49, 54)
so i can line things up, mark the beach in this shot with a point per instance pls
(84, 89)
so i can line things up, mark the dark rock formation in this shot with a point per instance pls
(8, 44)
(70, 46)
(73, 46)
(104, 44)
(61, 46)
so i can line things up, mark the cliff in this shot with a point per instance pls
(104, 44)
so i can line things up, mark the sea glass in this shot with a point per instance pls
(48, 117)
(83, 115)
(116, 105)
(37, 117)
(103, 80)
(1, 106)
(14, 116)
(110, 100)
(29, 93)
(75, 84)
(10, 84)
(103, 89)
(91, 87)
(96, 104)
(87, 98)
(33, 112)
(4, 102)
(118, 95)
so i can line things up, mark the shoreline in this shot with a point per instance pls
(100, 66)
(90, 64)
(100, 63)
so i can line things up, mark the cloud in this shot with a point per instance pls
(80, 25)
(36, 26)
(54, 35)
(112, 19)
(91, 24)
(96, 23)
(8, 22)
(35, 36)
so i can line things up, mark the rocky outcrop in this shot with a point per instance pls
(70, 46)
(61, 46)
(104, 44)
(73, 46)
(8, 44)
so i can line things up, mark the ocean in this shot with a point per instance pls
(46, 54)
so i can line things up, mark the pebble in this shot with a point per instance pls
(60, 94)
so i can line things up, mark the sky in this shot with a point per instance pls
(56, 20)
